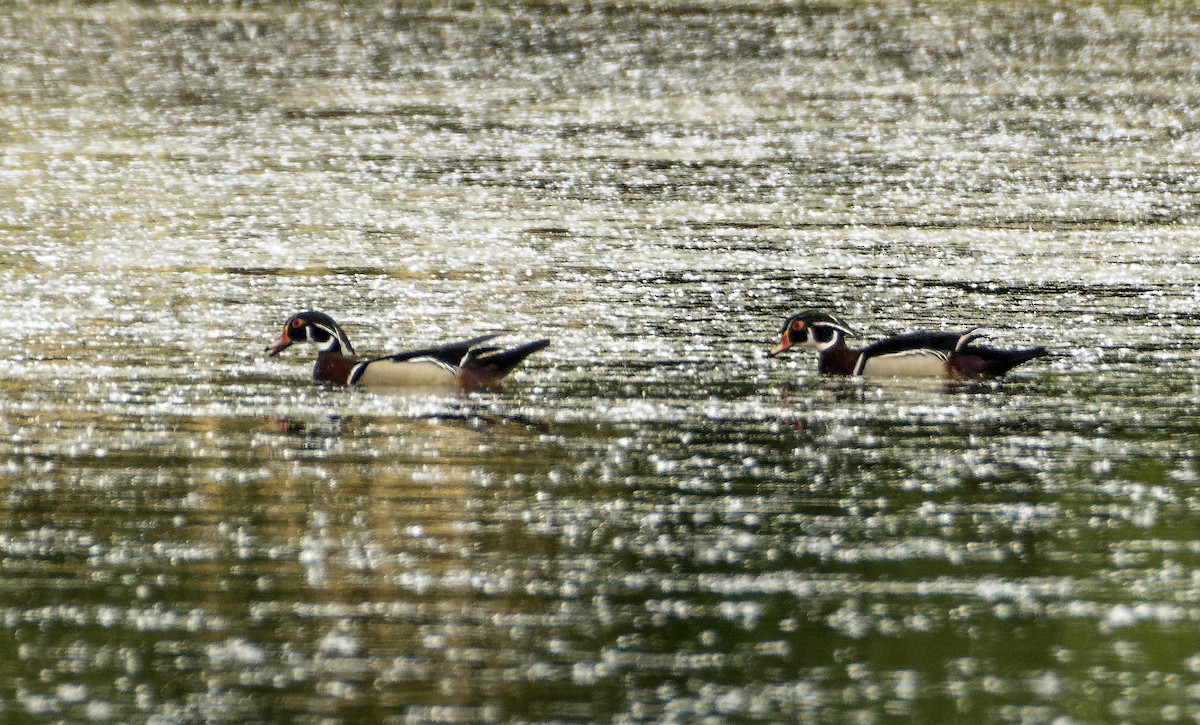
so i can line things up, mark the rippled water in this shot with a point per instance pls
(653, 521)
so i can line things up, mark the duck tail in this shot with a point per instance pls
(1001, 361)
(492, 363)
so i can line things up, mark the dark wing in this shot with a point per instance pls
(942, 342)
(451, 353)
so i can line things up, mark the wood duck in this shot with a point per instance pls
(952, 355)
(469, 365)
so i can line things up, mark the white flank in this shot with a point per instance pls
(906, 364)
(422, 372)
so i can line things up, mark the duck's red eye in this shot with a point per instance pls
(297, 323)
(798, 325)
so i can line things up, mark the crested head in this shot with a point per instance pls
(315, 327)
(812, 328)
(818, 317)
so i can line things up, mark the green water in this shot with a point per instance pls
(652, 522)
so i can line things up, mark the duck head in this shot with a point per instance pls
(812, 328)
(315, 327)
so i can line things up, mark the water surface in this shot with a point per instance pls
(653, 521)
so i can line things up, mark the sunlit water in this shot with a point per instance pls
(653, 521)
